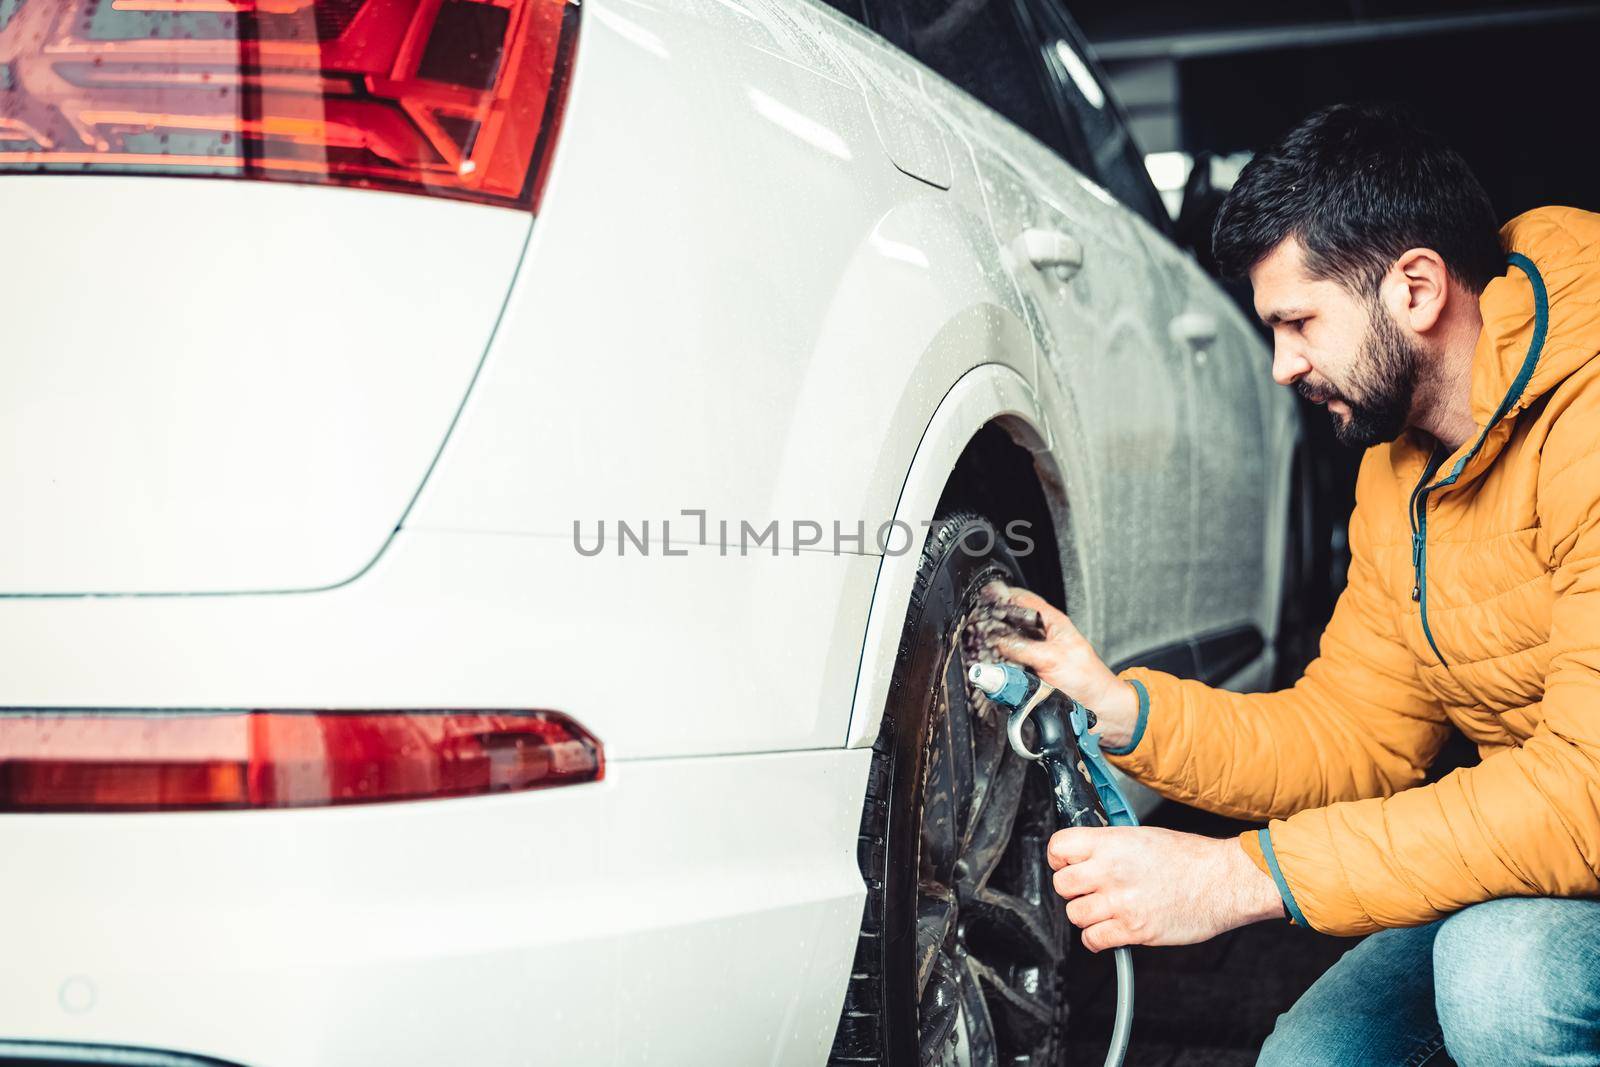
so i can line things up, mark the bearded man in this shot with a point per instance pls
(1464, 360)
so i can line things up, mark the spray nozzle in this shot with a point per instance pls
(1003, 683)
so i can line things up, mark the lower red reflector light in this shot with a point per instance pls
(156, 760)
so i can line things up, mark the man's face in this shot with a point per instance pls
(1336, 348)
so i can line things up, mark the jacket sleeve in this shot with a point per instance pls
(1358, 724)
(1524, 822)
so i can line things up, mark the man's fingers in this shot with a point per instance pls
(1075, 879)
(1019, 618)
(998, 596)
(1074, 844)
(1108, 934)
(1034, 654)
(1024, 598)
(1087, 911)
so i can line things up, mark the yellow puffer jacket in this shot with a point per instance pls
(1474, 602)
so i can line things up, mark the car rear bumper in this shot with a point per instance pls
(696, 910)
(448, 619)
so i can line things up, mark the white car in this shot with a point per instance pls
(492, 491)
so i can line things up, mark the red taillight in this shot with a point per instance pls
(153, 760)
(453, 97)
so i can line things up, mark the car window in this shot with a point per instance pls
(850, 8)
(1117, 162)
(980, 45)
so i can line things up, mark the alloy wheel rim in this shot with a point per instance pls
(990, 937)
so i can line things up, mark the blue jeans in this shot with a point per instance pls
(1513, 981)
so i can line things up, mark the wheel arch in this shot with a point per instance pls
(999, 477)
(987, 441)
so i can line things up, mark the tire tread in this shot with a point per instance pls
(862, 1037)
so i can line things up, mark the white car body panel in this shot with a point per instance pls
(639, 920)
(252, 410)
(765, 375)
(1111, 378)
(452, 620)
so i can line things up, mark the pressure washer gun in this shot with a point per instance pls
(1086, 797)
(1054, 714)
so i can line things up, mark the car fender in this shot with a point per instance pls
(985, 394)
(759, 332)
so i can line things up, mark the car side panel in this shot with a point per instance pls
(1119, 404)
(732, 300)
(1241, 452)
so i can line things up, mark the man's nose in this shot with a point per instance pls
(1288, 365)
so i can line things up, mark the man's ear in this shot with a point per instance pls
(1417, 288)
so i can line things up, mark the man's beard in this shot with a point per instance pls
(1381, 384)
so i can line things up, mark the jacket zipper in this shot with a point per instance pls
(1419, 495)
(1419, 544)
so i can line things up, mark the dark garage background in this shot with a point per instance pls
(1510, 85)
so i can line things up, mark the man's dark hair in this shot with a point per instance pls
(1358, 184)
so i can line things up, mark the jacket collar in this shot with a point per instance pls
(1540, 324)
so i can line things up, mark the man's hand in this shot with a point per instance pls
(1142, 885)
(1064, 659)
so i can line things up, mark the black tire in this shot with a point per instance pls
(962, 940)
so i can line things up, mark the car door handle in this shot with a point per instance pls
(1194, 329)
(1051, 251)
